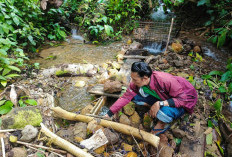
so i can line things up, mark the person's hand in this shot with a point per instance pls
(154, 109)
(107, 116)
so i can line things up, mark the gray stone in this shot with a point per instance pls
(29, 133)
(112, 137)
(80, 130)
(18, 152)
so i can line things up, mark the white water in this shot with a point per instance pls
(75, 36)
(154, 48)
(209, 53)
(159, 14)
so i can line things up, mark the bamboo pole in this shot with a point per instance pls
(63, 143)
(150, 138)
(170, 31)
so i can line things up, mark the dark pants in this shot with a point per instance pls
(166, 114)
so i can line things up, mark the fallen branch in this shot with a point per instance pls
(148, 137)
(44, 152)
(7, 130)
(63, 143)
(3, 147)
(170, 31)
(43, 147)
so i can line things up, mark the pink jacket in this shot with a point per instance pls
(166, 86)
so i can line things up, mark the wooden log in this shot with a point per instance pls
(148, 137)
(101, 103)
(63, 143)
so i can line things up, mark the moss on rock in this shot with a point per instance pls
(62, 72)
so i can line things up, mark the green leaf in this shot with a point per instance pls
(226, 76)
(6, 71)
(108, 29)
(31, 102)
(202, 2)
(6, 107)
(210, 124)
(30, 38)
(2, 102)
(2, 78)
(230, 88)
(209, 138)
(222, 38)
(218, 105)
(21, 103)
(12, 75)
(4, 83)
(206, 76)
(216, 73)
(3, 52)
(14, 68)
(16, 20)
(222, 89)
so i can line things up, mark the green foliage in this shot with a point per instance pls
(24, 101)
(220, 82)
(23, 27)
(5, 106)
(100, 19)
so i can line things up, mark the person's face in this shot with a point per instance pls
(139, 81)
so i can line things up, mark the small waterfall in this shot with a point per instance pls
(159, 14)
(75, 36)
(209, 53)
(154, 48)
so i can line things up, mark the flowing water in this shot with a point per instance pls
(155, 48)
(73, 98)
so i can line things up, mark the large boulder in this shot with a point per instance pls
(136, 45)
(21, 116)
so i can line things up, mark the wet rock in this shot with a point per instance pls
(93, 126)
(136, 45)
(129, 109)
(187, 48)
(127, 147)
(113, 72)
(86, 110)
(178, 133)
(66, 134)
(112, 86)
(29, 133)
(147, 121)
(112, 137)
(22, 116)
(80, 84)
(115, 65)
(197, 49)
(18, 152)
(80, 130)
(178, 63)
(177, 47)
(135, 120)
(166, 151)
(193, 148)
(124, 119)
